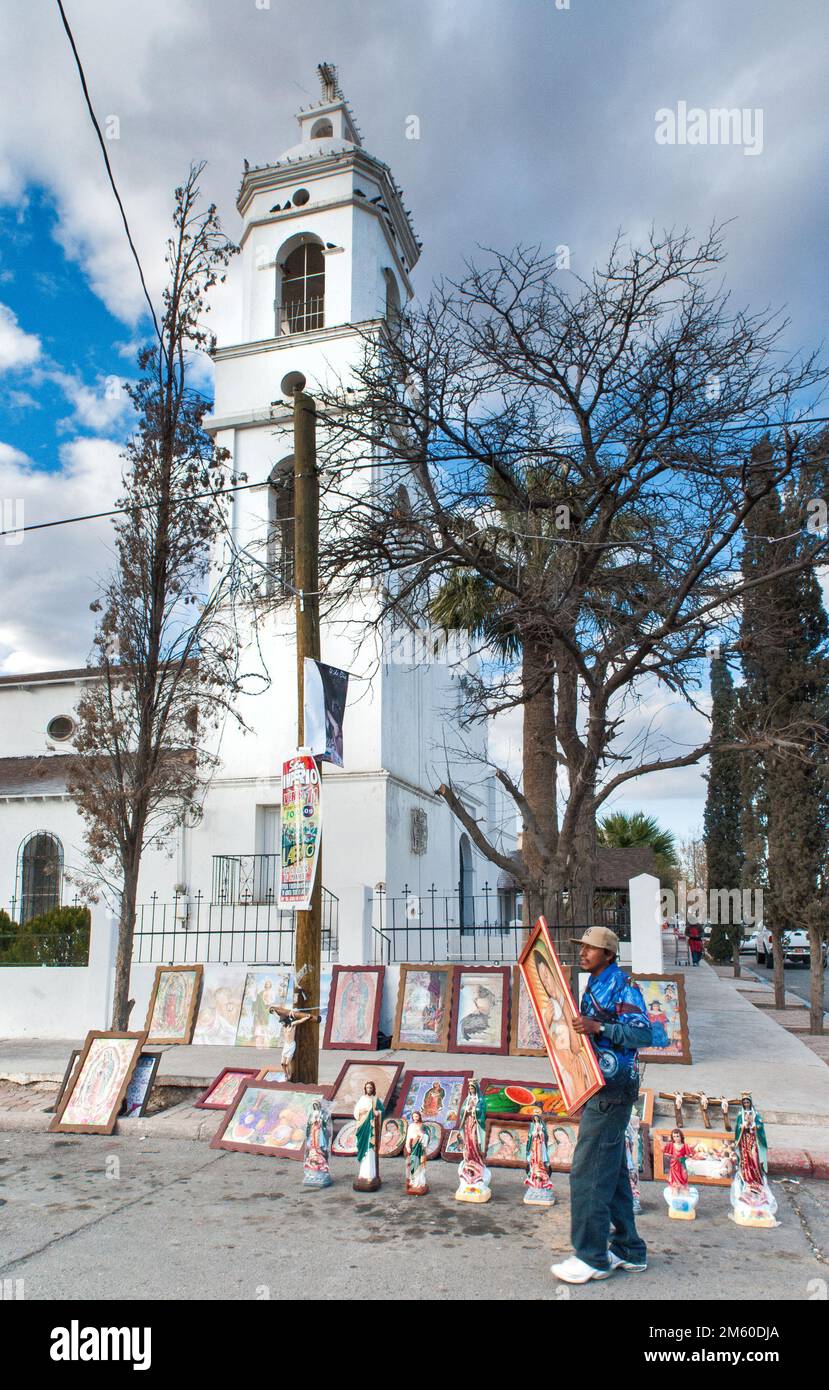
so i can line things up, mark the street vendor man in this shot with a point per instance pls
(614, 1017)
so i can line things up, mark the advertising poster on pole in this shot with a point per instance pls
(301, 827)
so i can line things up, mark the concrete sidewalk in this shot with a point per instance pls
(734, 1047)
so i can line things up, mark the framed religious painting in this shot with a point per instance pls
(70, 1068)
(438, 1095)
(350, 1084)
(434, 1138)
(344, 1143)
(266, 987)
(354, 1001)
(452, 1146)
(140, 1085)
(571, 1054)
(518, 1098)
(97, 1087)
(561, 1139)
(713, 1157)
(642, 1117)
(664, 997)
(505, 1144)
(525, 1031)
(480, 1009)
(174, 1001)
(424, 1007)
(223, 1088)
(392, 1136)
(220, 1005)
(269, 1118)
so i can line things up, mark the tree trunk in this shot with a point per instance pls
(540, 763)
(121, 1003)
(816, 980)
(735, 955)
(779, 977)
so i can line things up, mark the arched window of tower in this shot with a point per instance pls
(280, 551)
(322, 130)
(302, 307)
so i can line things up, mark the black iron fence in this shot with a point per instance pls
(193, 929)
(485, 926)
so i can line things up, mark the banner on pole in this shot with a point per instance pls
(301, 827)
(326, 691)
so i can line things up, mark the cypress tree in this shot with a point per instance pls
(722, 824)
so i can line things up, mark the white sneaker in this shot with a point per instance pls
(616, 1262)
(575, 1271)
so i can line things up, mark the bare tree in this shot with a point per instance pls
(165, 652)
(574, 460)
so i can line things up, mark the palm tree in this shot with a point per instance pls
(624, 830)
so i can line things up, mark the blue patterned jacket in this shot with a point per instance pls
(616, 1002)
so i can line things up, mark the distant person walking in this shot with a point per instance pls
(693, 935)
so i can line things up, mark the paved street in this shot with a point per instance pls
(797, 979)
(94, 1217)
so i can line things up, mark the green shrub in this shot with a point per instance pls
(57, 937)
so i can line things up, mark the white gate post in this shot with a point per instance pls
(645, 925)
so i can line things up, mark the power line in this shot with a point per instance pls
(110, 174)
(134, 507)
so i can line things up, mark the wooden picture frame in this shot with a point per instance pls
(463, 976)
(496, 1125)
(440, 1042)
(367, 1039)
(644, 1108)
(519, 989)
(70, 1067)
(694, 1139)
(414, 1081)
(294, 1151)
(186, 1037)
(154, 1059)
(571, 1054)
(130, 1056)
(545, 1096)
(681, 1052)
(339, 1104)
(561, 1162)
(451, 1149)
(205, 1100)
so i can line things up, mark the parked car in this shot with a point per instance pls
(796, 948)
(748, 945)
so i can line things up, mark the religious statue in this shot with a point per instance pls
(414, 1151)
(473, 1175)
(752, 1201)
(368, 1112)
(632, 1137)
(681, 1198)
(317, 1147)
(538, 1184)
(290, 1020)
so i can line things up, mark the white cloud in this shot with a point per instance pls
(50, 578)
(17, 348)
(100, 408)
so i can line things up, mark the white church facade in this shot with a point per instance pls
(327, 254)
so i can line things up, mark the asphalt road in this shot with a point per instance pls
(798, 979)
(83, 1216)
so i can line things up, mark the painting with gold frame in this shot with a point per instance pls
(571, 1054)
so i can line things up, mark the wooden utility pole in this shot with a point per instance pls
(308, 936)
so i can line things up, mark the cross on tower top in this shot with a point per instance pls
(328, 81)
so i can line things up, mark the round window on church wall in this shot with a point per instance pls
(61, 727)
(300, 198)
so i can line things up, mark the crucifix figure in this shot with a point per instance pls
(290, 1020)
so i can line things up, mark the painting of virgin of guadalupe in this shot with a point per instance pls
(96, 1090)
(437, 1095)
(173, 1003)
(571, 1054)
(354, 1001)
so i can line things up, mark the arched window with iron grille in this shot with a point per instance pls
(39, 874)
(281, 507)
(303, 289)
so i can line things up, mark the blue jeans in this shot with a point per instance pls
(600, 1194)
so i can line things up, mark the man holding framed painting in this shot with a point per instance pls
(614, 1018)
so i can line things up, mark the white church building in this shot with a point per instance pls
(327, 256)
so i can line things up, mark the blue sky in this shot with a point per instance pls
(536, 123)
